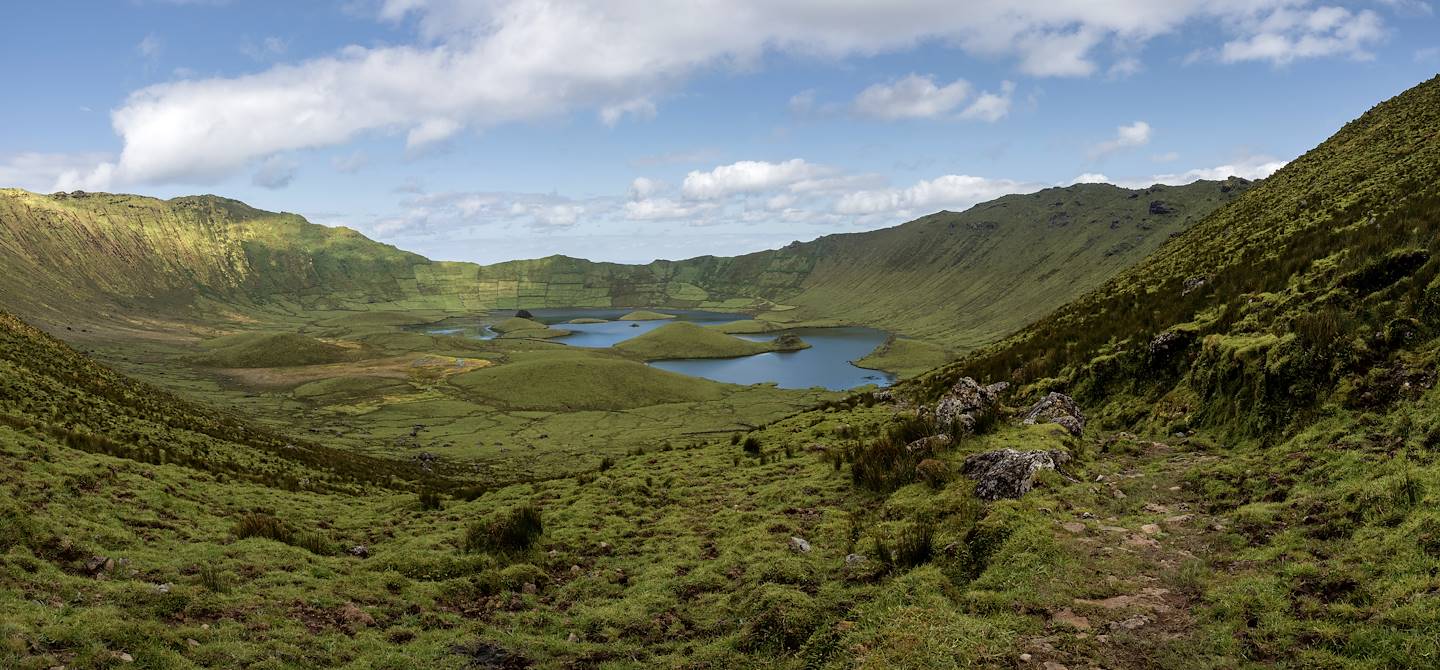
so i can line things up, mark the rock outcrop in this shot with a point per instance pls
(1007, 473)
(967, 402)
(1059, 409)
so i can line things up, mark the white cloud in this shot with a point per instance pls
(955, 192)
(747, 177)
(1248, 167)
(644, 187)
(48, 172)
(1427, 55)
(639, 108)
(1255, 167)
(1091, 178)
(911, 97)
(665, 209)
(1290, 34)
(1129, 136)
(989, 106)
(802, 103)
(275, 172)
(478, 65)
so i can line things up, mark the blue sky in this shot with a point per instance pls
(626, 130)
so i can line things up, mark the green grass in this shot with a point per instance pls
(645, 315)
(584, 383)
(268, 350)
(516, 323)
(688, 340)
(906, 357)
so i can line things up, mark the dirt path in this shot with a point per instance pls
(1142, 554)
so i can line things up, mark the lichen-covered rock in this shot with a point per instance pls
(967, 401)
(1008, 473)
(929, 445)
(1060, 409)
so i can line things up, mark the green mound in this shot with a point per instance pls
(747, 327)
(535, 333)
(515, 323)
(271, 350)
(588, 320)
(687, 340)
(346, 386)
(905, 357)
(645, 315)
(584, 383)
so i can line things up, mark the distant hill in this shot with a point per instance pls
(960, 279)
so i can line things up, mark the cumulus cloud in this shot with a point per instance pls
(47, 172)
(1129, 136)
(478, 65)
(953, 192)
(748, 177)
(1248, 167)
(1296, 33)
(989, 106)
(911, 97)
(265, 49)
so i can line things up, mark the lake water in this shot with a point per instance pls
(826, 363)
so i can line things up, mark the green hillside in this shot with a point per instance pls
(955, 279)
(1278, 363)
(689, 340)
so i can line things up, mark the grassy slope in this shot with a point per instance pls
(689, 340)
(264, 350)
(1304, 366)
(959, 279)
(583, 382)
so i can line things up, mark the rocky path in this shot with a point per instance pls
(1142, 552)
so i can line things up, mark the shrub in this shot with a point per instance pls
(933, 472)
(606, 463)
(213, 579)
(912, 547)
(516, 530)
(751, 445)
(429, 501)
(315, 543)
(257, 524)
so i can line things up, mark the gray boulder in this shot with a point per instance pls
(1007, 473)
(929, 445)
(967, 401)
(1060, 409)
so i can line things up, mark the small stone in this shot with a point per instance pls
(1025, 658)
(605, 547)
(360, 551)
(529, 588)
(192, 642)
(1068, 617)
(575, 570)
(1074, 527)
(799, 545)
(1052, 665)
(855, 559)
(1150, 529)
(124, 657)
(573, 638)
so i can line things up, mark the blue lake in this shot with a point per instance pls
(825, 364)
